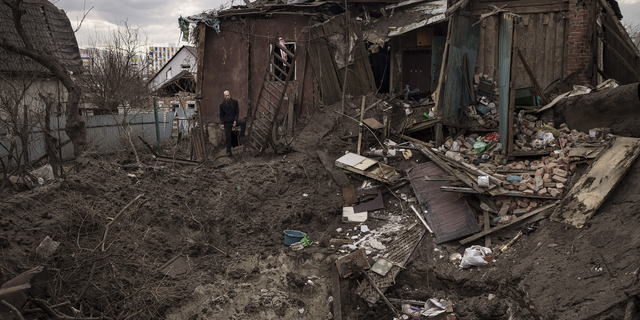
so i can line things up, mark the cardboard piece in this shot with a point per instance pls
(349, 215)
(358, 258)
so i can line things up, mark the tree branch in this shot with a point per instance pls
(84, 16)
(13, 309)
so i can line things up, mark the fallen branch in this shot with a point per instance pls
(30, 311)
(55, 316)
(106, 230)
(508, 245)
(93, 269)
(523, 217)
(12, 309)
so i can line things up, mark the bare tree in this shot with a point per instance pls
(41, 52)
(116, 76)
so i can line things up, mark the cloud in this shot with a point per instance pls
(158, 19)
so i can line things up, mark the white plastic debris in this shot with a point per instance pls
(301, 310)
(339, 230)
(364, 228)
(475, 256)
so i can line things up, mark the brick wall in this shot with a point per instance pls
(580, 42)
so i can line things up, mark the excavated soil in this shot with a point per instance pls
(206, 242)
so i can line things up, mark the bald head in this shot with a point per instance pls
(227, 95)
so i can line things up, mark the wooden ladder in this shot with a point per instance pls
(269, 102)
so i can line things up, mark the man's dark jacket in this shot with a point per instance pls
(229, 114)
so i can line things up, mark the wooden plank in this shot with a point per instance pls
(505, 49)
(480, 63)
(487, 227)
(593, 188)
(463, 177)
(514, 3)
(337, 304)
(532, 76)
(491, 48)
(558, 50)
(620, 28)
(507, 194)
(548, 71)
(512, 98)
(513, 222)
(323, 66)
(621, 59)
(530, 9)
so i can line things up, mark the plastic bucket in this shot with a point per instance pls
(292, 236)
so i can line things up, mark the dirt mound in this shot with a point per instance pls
(206, 242)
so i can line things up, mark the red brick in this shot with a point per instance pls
(560, 172)
(542, 191)
(528, 192)
(559, 179)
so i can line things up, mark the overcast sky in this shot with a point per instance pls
(159, 18)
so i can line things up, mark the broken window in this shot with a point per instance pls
(168, 74)
(277, 66)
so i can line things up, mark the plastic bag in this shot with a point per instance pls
(542, 139)
(474, 256)
(479, 146)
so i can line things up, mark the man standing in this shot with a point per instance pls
(229, 112)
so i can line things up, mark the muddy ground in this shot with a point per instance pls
(206, 242)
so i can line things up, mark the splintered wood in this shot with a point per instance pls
(588, 194)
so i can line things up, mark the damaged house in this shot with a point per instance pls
(24, 82)
(515, 49)
(382, 36)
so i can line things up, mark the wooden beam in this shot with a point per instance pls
(337, 305)
(615, 35)
(487, 227)
(415, 140)
(508, 194)
(453, 8)
(500, 227)
(444, 166)
(531, 76)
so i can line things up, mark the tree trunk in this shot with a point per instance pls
(75, 127)
(49, 140)
(618, 109)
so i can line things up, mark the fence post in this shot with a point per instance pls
(155, 113)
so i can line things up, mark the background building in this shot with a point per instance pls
(159, 56)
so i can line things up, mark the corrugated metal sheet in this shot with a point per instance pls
(104, 133)
(448, 218)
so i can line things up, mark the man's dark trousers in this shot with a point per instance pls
(228, 133)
